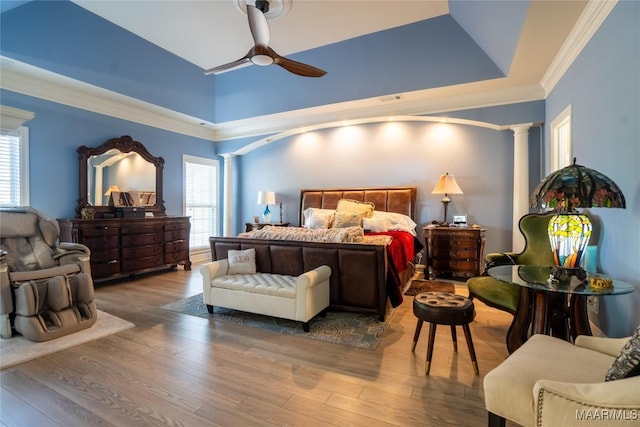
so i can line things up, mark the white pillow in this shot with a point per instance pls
(318, 218)
(242, 262)
(397, 221)
(375, 224)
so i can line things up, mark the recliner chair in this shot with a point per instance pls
(46, 290)
(505, 296)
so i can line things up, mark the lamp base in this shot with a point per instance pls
(564, 274)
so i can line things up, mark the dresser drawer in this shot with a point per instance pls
(182, 225)
(175, 235)
(176, 257)
(104, 255)
(99, 231)
(130, 265)
(105, 269)
(141, 229)
(141, 239)
(178, 245)
(141, 251)
(101, 242)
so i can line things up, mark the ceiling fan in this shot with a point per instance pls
(261, 53)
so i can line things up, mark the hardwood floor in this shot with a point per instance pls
(180, 370)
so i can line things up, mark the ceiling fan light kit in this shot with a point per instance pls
(261, 54)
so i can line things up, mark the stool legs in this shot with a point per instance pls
(454, 338)
(432, 338)
(416, 335)
(472, 352)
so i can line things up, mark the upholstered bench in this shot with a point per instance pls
(289, 297)
(444, 308)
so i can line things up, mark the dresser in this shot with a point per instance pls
(123, 247)
(454, 251)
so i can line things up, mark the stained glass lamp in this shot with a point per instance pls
(564, 191)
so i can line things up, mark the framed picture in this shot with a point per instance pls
(460, 220)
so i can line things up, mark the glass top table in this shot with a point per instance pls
(536, 278)
(557, 308)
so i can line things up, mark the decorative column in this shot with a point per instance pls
(227, 216)
(520, 181)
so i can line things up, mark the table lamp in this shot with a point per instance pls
(446, 185)
(266, 198)
(564, 190)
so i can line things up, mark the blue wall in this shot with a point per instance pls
(603, 88)
(393, 154)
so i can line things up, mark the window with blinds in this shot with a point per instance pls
(14, 167)
(201, 199)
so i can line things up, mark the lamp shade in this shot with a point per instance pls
(447, 185)
(266, 198)
(111, 189)
(576, 186)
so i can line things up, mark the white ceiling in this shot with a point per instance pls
(209, 33)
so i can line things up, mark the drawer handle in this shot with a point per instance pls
(113, 261)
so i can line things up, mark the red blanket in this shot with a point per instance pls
(400, 252)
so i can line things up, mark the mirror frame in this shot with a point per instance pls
(125, 144)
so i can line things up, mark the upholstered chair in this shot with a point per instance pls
(550, 382)
(505, 296)
(46, 289)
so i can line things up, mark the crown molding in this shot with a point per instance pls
(33, 81)
(12, 118)
(588, 23)
(28, 80)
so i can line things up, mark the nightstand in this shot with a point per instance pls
(250, 226)
(454, 251)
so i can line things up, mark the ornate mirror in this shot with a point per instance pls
(122, 167)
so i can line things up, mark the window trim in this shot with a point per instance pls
(555, 158)
(188, 158)
(22, 133)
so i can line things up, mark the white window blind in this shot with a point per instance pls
(14, 168)
(201, 199)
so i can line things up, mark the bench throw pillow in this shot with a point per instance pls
(242, 262)
(627, 364)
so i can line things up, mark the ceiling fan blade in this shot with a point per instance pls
(231, 65)
(258, 25)
(298, 68)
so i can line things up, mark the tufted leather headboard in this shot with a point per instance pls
(391, 199)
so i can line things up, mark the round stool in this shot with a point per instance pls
(444, 308)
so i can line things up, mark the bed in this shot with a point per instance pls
(367, 276)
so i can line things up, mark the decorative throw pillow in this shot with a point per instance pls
(375, 224)
(627, 364)
(347, 219)
(242, 262)
(318, 218)
(348, 205)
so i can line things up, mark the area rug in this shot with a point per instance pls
(421, 285)
(352, 329)
(17, 349)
